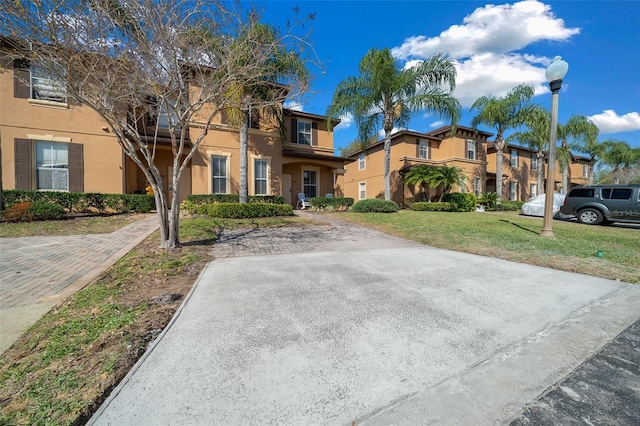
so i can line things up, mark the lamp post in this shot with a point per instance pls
(554, 73)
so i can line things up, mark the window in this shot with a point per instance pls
(304, 132)
(52, 166)
(260, 177)
(617, 193)
(514, 158)
(166, 119)
(310, 183)
(513, 191)
(581, 193)
(534, 161)
(363, 191)
(477, 188)
(533, 189)
(362, 161)
(45, 86)
(471, 150)
(219, 174)
(423, 150)
(585, 171)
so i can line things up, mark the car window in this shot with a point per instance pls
(606, 193)
(582, 192)
(621, 193)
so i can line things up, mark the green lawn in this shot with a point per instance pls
(510, 236)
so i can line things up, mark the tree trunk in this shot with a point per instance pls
(174, 213)
(244, 148)
(590, 178)
(540, 156)
(565, 179)
(1, 188)
(500, 145)
(387, 164)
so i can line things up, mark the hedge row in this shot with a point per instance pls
(234, 198)
(336, 203)
(237, 210)
(423, 206)
(26, 211)
(506, 206)
(84, 202)
(375, 206)
(464, 201)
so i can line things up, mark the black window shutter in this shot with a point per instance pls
(21, 79)
(294, 130)
(76, 168)
(417, 148)
(314, 134)
(24, 164)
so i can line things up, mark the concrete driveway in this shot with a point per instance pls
(371, 329)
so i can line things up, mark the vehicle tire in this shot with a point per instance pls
(590, 216)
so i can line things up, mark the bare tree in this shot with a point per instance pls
(130, 60)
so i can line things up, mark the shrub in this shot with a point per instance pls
(237, 210)
(46, 211)
(82, 202)
(375, 206)
(488, 199)
(466, 202)
(506, 206)
(330, 204)
(434, 207)
(233, 198)
(17, 212)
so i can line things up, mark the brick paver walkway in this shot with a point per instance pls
(38, 272)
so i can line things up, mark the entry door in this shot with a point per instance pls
(310, 183)
(286, 188)
(185, 184)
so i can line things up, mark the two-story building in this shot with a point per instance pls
(520, 167)
(49, 143)
(465, 148)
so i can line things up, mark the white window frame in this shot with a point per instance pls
(362, 161)
(165, 118)
(585, 170)
(58, 176)
(513, 191)
(534, 161)
(305, 129)
(471, 149)
(44, 87)
(423, 149)
(316, 185)
(362, 190)
(533, 190)
(225, 176)
(514, 158)
(265, 179)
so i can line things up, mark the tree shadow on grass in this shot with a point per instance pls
(520, 226)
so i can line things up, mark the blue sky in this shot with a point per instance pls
(495, 45)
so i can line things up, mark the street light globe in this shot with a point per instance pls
(557, 70)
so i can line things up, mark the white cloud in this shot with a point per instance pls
(438, 123)
(394, 130)
(492, 28)
(346, 121)
(610, 122)
(495, 74)
(293, 105)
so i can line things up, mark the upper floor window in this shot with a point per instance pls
(45, 85)
(534, 161)
(362, 161)
(471, 150)
(423, 150)
(304, 132)
(52, 166)
(168, 117)
(514, 158)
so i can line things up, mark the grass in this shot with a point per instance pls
(72, 226)
(510, 236)
(63, 367)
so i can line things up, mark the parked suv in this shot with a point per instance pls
(595, 204)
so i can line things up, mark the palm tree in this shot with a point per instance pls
(260, 93)
(579, 128)
(618, 155)
(447, 177)
(420, 176)
(502, 114)
(588, 144)
(536, 136)
(386, 95)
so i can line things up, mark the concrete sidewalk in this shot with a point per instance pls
(371, 329)
(39, 272)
